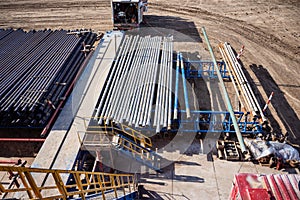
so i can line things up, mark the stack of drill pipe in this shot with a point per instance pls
(130, 91)
(241, 81)
(32, 64)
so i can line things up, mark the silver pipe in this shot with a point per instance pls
(154, 81)
(134, 85)
(149, 83)
(165, 122)
(159, 95)
(149, 71)
(121, 48)
(162, 120)
(252, 96)
(221, 48)
(130, 84)
(243, 82)
(162, 91)
(170, 84)
(114, 87)
(123, 79)
(107, 102)
(139, 86)
(142, 85)
(124, 85)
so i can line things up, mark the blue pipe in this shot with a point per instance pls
(186, 99)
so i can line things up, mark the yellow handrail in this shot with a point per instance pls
(82, 183)
(137, 136)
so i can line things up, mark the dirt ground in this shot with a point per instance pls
(269, 30)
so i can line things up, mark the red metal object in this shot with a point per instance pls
(8, 161)
(22, 139)
(265, 187)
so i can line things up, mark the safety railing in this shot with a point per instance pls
(81, 185)
(110, 128)
(138, 151)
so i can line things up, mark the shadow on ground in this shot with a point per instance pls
(285, 112)
(185, 27)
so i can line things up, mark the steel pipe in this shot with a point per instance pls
(22, 139)
(229, 106)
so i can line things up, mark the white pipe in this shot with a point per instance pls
(131, 83)
(154, 81)
(170, 83)
(123, 79)
(221, 48)
(140, 87)
(112, 87)
(240, 79)
(134, 86)
(149, 83)
(149, 71)
(102, 101)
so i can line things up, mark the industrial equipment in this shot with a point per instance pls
(254, 186)
(128, 14)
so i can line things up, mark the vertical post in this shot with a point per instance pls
(59, 183)
(229, 106)
(33, 185)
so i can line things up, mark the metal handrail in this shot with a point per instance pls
(83, 183)
(110, 128)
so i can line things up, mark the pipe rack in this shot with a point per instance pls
(140, 76)
(37, 68)
(241, 81)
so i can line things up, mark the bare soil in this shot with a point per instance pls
(270, 31)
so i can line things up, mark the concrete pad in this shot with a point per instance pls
(197, 177)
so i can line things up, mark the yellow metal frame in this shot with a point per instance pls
(136, 150)
(137, 136)
(84, 183)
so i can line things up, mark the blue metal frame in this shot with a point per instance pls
(204, 68)
(246, 126)
(193, 125)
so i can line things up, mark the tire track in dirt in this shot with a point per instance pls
(250, 32)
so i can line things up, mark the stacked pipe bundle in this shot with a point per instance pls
(36, 69)
(140, 77)
(240, 82)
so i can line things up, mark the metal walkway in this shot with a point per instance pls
(123, 139)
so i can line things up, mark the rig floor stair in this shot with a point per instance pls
(122, 139)
(81, 185)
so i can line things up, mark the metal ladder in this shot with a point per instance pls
(83, 184)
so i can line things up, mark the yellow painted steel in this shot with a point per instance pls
(112, 129)
(82, 185)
